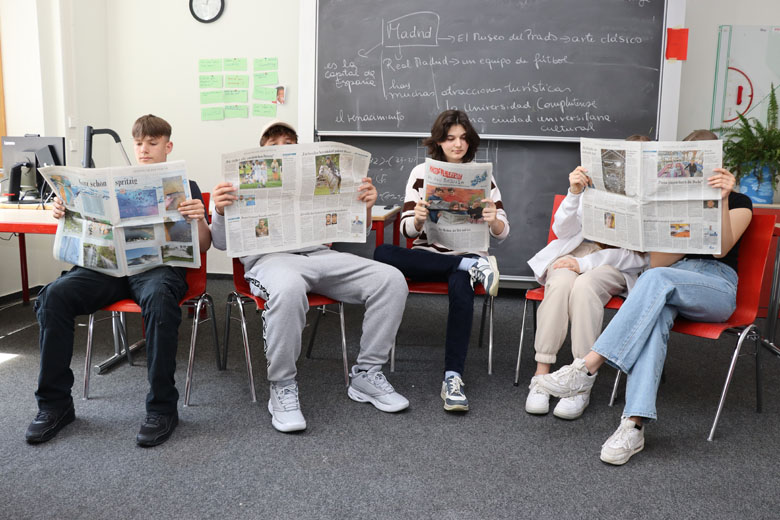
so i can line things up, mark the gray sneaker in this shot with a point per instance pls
(485, 271)
(372, 387)
(452, 393)
(568, 381)
(285, 409)
(625, 442)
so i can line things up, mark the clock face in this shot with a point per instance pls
(206, 11)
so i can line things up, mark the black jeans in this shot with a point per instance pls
(420, 265)
(83, 291)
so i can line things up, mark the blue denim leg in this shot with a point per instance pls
(635, 339)
(158, 292)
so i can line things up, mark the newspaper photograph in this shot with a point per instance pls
(293, 196)
(123, 221)
(652, 196)
(455, 192)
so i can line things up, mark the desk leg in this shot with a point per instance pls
(397, 230)
(23, 265)
(774, 304)
(380, 234)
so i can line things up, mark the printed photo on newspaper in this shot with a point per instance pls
(652, 196)
(123, 221)
(455, 193)
(293, 196)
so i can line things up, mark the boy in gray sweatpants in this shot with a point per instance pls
(283, 279)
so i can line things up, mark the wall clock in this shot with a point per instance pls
(207, 11)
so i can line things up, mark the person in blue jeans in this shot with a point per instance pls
(697, 287)
(83, 291)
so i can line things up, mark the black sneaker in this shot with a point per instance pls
(47, 423)
(156, 428)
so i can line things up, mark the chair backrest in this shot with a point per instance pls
(556, 202)
(206, 199)
(753, 253)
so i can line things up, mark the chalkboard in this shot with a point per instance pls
(528, 174)
(521, 69)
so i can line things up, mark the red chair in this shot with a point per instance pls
(195, 298)
(753, 251)
(243, 295)
(443, 288)
(537, 295)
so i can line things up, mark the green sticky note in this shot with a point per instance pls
(236, 96)
(236, 111)
(212, 65)
(264, 110)
(211, 97)
(266, 63)
(236, 81)
(211, 81)
(264, 93)
(266, 78)
(235, 63)
(212, 114)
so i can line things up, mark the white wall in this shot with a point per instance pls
(703, 17)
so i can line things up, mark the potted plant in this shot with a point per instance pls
(751, 151)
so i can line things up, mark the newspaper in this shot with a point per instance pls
(455, 192)
(652, 196)
(294, 196)
(123, 221)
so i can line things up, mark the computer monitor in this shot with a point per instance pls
(22, 156)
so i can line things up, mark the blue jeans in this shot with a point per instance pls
(83, 291)
(635, 340)
(427, 266)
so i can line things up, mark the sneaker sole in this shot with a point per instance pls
(49, 434)
(537, 411)
(360, 397)
(284, 428)
(493, 289)
(622, 460)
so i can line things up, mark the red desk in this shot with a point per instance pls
(380, 218)
(21, 220)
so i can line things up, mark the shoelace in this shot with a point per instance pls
(621, 438)
(379, 380)
(44, 416)
(568, 375)
(453, 386)
(288, 397)
(152, 420)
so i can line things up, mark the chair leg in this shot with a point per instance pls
(247, 353)
(344, 344)
(733, 364)
(213, 319)
(88, 360)
(615, 388)
(482, 319)
(490, 335)
(231, 299)
(320, 312)
(119, 322)
(191, 359)
(392, 356)
(759, 386)
(520, 346)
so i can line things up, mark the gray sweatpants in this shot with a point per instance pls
(283, 279)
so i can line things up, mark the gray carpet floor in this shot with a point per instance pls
(226, 461)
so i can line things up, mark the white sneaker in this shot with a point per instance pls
(571, 408)
(372, 387)
(538, 401)
(485, 271)
(452, 394)
(568, 381)
(285, 409)
(627, 440)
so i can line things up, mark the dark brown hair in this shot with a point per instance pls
(442, 125)
(276, 131)
(638, 137)
(151, 126)
(701, 135)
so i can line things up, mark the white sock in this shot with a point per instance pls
(450, 373)
(466, 264)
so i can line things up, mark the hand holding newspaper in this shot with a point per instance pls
(123, 221)
(293, 196)
(652, 196)
(455, 192)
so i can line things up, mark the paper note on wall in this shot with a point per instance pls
(266, 64)
(263, 110)
(212, 114)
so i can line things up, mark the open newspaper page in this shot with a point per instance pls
(294, 196)
(652, 196)
(123, 221)
(455, 192)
